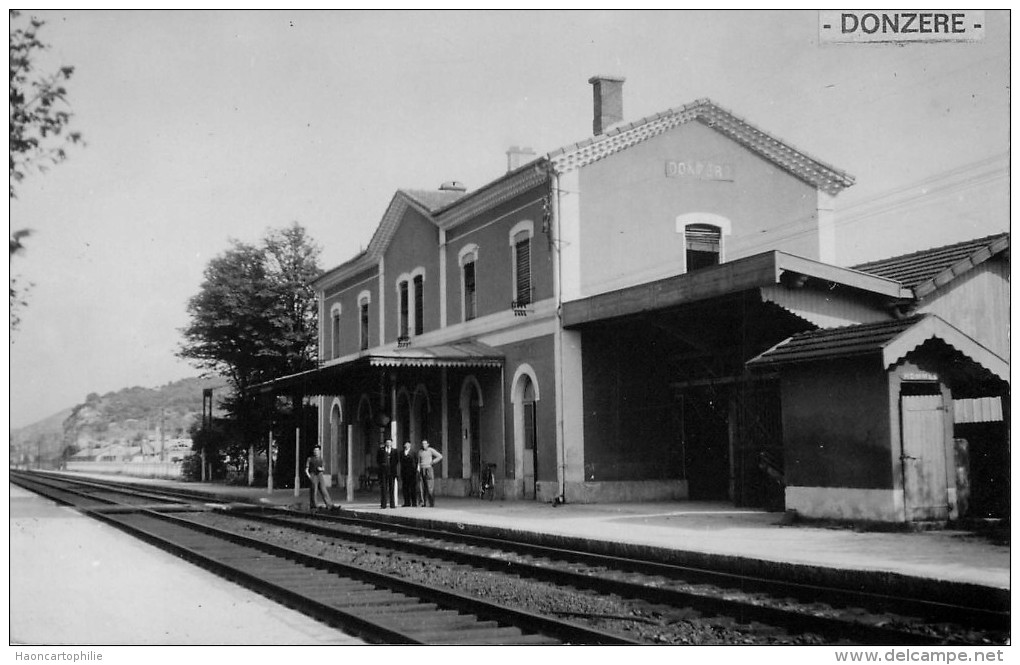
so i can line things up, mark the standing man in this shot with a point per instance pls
(426, 476)
(409, 475)
(317, 479)
(389, 465)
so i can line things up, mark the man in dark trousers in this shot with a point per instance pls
(389, 466)
(409, 475)
(313, 469)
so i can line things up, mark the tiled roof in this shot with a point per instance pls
(889, 341)
(796, 162)
(835, 342)
(448, 208)
(433, 199)
(380, 239)
(928, 269)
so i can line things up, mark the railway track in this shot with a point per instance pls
(836, 615)
(377, 607)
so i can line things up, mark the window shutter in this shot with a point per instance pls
(469, 291)
(702, 238)
(336, 335)
(364, 326)
(419, 305)
(402, 330)
(523, 255)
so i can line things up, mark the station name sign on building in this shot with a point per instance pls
(865, 26)
(698, 170)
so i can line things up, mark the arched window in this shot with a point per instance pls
(468, 258)
(404, 304)
(410, 305)
(419, 304)
(335, 329)
(520, 244)
(364, 300)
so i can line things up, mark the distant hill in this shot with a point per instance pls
(130, 415)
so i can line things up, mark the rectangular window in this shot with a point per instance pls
(702, 246)
(419, 305)
(364, 326)
(522, 256)
(469, 291)
(402, 330)
(336, 334)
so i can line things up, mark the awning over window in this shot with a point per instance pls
(330, 378)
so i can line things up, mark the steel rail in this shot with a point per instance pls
(956, 612)
(363, 623)
(964, 615)
(742, 610)
(967, 615)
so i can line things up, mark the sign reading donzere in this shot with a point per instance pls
(698, 169)
(863, 26)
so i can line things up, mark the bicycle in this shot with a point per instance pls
(488, 484)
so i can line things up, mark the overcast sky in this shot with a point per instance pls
(203, 127)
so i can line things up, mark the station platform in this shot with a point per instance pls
(937, 563)
(77, 581)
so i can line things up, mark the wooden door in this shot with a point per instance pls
(530, 451)
(474, 441)
(925, 488)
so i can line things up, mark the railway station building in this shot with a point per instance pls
(654, 313)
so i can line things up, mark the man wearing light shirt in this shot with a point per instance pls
(426, 476)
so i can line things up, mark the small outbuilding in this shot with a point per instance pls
(868, 417)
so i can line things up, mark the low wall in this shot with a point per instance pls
(137, 469)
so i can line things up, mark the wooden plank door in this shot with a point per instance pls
(925, 488)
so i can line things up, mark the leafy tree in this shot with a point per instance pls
(211, 441)
(39, 123)
(254, 319)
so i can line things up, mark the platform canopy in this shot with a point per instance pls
(893, 339)
(749, 273)
(328, 379)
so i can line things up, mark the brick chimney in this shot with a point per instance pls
(608, 100)
(518, 157)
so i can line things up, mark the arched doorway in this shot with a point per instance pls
(337, 440)
(525, 402)
(470, 418)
